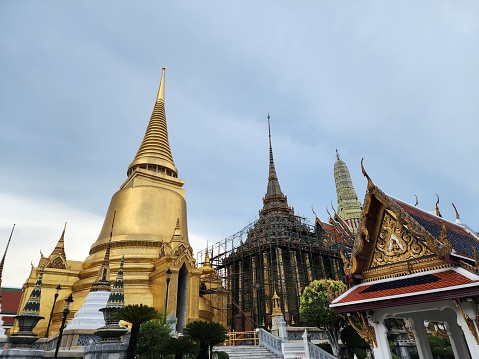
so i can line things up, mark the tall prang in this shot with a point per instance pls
(349, 207)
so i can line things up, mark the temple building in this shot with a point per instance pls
(150, 231)
(280, 252)
(416, 266)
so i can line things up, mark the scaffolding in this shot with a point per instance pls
(280, 252)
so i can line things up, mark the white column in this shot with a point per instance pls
(305, 344)
(382, 350)
(470, 309)
(420, 336)
(457, 340)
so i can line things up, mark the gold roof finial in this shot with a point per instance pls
(436, 208)
(207, 256)
(365, 174)
(458, 218)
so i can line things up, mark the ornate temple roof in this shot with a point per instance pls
(462, 239)
(407, 255)
(154, 153)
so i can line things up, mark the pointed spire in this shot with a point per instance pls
(32, 307)
(2, 263)
(274, 199)
(59, 250)
(102, 282)
(161, 90)
(273, 185)
(349, 207)
(117, 295)
(207, 257)
(177, 236)
(154, 153)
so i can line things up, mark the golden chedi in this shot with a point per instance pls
(150, 231)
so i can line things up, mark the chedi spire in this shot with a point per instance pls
(154, 153)
(274, 198)
(102, 282)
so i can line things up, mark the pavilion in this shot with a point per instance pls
(414, 265)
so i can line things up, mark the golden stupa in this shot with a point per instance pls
(150, 231)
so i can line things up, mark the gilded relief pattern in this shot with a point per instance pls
(396, 245)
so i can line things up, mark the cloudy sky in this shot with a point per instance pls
(394, 82)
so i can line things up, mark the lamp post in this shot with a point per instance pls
(258, 291)
(168, 278)
(66, 311)
(58, 288)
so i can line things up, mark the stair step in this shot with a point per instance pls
(247, 351)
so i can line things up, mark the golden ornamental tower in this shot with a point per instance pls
(349, 207)
(151, 233)
(148, 205)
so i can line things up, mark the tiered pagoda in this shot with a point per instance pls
(280, 253)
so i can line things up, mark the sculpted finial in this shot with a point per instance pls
(415, 205)
(438, 213)
(365, 174)
(333, 207)
(458, 218)
(337, 154)
(329, 214)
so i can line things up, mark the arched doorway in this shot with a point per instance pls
(182, 298)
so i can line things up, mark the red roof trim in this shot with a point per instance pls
(449, 280)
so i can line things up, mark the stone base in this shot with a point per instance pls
(106, 351)
(77, 339)
(22, 353)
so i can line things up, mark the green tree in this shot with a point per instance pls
(414, 354)
(136, 315)
(206, 334)
(178, 347)
(439, 347)
(352, 340)
(315, 310)
(152, 334)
